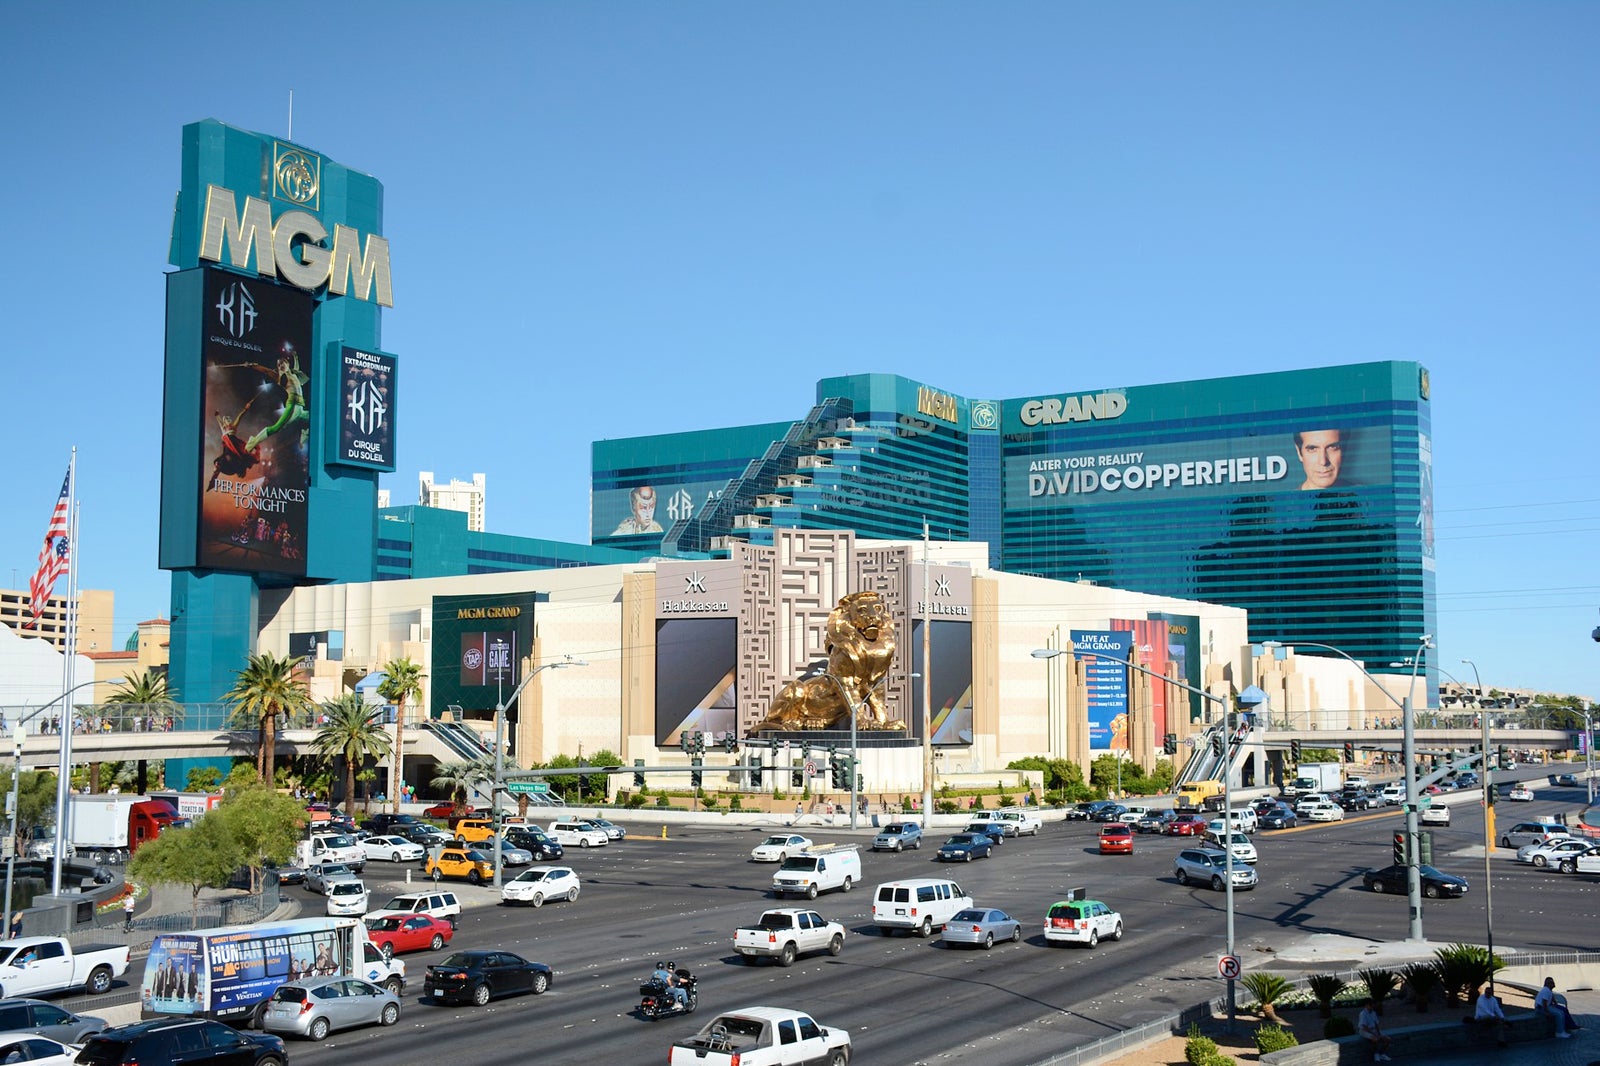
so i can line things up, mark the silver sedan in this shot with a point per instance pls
(980, 926)
(316, 1006)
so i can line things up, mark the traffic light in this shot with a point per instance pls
(1169, 744)
(695, 777)
(1294, 751)
(583, 778)
(1349, 751)
(755, 770)
(1399, 849)
(700, 743)
(1216, 744)
(729, 743)
(686, 741)
(797, 779)
(638, 775)
(838, 773)
(1500, 758)
(1425, 847)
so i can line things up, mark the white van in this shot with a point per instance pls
(919, 905)
(1023, 822)
(818, 869)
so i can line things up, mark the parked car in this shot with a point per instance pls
(440, 810)
(980, 926)
(897, 836)
(314, 1007)
(40, 1050)
(1116, 838)
(1434, 883)
(779, 847)
(1280, 817)
(1531, 833)
(1186, 825)
(1438, 814)
(1210, 867)
(479, 976)
(1081, 921)
(539, 883)
(191, 1041)
(414, 932)
(1520, 793)
(46, 1019)
(393, 849)
(964, 847)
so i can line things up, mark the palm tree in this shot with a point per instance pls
(461, 777)
(403, 681)
(149, 690)
(354, 731)
(263, 690)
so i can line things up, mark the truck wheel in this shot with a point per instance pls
(811, 891)
(99, 980)
(847, 884)
(437, 942)
(926, 928)
(839, 1059)
(480, 995)
(786, 956)
(319, 1029)
(836, 945)
(394, 984)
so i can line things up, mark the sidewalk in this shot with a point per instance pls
(1582, 1049)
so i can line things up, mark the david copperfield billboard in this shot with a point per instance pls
(256, 419)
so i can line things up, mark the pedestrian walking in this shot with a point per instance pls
(16, 925)
(127, 912)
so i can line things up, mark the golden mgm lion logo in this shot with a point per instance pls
(860, 647)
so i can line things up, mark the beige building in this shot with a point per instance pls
(95, 612)
(454, 495)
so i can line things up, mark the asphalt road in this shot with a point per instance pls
(909, 1001)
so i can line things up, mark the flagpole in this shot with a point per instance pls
(64, 770)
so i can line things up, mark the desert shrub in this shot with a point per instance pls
(1422, 980)
(1380, 984)
(1199, 1049)
(1267, 988)
(1325, 986)
(1273, 1038)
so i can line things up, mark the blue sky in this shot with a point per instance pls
(615, 219)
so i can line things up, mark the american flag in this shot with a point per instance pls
(54, 554)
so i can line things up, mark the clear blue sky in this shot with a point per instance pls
(613, 219)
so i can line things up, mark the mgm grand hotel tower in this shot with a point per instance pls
(1305, 496)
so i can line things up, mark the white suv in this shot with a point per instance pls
(1243, 850)
(571, 831)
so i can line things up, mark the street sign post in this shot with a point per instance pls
(533, 788)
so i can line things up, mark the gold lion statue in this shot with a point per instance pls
(860, 647)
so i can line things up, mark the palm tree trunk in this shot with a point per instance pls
(269, 747)
(349, 786)
(399, 754)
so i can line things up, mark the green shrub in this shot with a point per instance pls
(735, 805)
(1422, 980)
(1199, 1049)
(1380, 984)
(635, 802)
(948, 806)
(663, 801)
(1267, 988)
(1274, 1038)
(709, 801)
(1325, 986)
(1337, 1027)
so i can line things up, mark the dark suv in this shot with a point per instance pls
(187, 1040)
(529, 839)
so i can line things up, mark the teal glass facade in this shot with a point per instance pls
(1200, 490)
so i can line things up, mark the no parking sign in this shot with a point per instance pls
(1228, 966)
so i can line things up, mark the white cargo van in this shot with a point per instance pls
(919, 905)
(1023, 821)
(820, 868)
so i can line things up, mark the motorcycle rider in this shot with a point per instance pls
(667, 978)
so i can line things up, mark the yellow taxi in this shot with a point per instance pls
(460, 864)
(472, 830)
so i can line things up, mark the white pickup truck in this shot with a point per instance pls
(31, 965)
(762, 1036)
(786, 933)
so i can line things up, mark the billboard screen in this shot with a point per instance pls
(1105, 654)
(479, 643)
(256, 419)
(950, 680)
(1322, 457)
(696, 671)
(649, 510)
(366, 409)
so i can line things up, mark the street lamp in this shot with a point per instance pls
(1408, 754)
(500, 746)
(1227, 788)
(1488, 826)
(18, 733)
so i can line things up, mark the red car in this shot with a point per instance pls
(440, 810)
(1116, 839)
(1187, 825)
(410, 932)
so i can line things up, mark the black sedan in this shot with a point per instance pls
(479, 976)
(995, 831)
(964, 847)
(1359, 801)
(1084, 812)
(1435, 883)
(532, 840)
(1111, 812)
(1279, 817)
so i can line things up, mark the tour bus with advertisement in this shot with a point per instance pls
(228, 974)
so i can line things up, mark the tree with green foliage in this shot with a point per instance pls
(263, 823)
(354, 732)
(151, 692)
(402, 683)
(206, 855)
(202, 779)
(36, 802)
(461, 777)
(265, 689)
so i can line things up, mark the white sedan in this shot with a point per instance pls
(22, 1047)
(1323, 812)
(778, 848)
(539, 883)
(392, 849)
(1520, 793)
(1552, 853)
